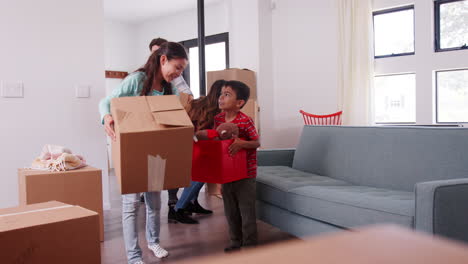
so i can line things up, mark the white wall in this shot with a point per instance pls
(50, 46)
(266, 91)
(179, 27)
(120, 50)
(244, 34)
(120, 46)
(304, 65)
(425, 61)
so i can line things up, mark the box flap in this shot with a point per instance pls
(130, 104)
(148, 113)
(173, 118)
(164, 103)
(134, 121)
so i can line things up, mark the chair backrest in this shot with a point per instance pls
(322, 120)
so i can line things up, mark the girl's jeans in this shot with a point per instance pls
(130, 205)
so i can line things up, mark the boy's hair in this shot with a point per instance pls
(241, 89)
(157, 42)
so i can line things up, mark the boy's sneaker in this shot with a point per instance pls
(139, 262)
(158, 251)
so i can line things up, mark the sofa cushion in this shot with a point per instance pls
(274, 182)
(350, 205)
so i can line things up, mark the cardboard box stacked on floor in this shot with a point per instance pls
(251, 108)
(51, 232)
(153, 149)
(82, 187)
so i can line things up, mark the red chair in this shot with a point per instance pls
(322, 120)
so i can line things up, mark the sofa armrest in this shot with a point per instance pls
(442, 208)
(275, 157)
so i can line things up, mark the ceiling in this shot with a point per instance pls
(138, 11)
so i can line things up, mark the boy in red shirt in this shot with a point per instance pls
(239, 196)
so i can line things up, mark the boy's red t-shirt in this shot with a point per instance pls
(247, 132)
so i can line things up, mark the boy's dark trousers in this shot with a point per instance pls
(239, 206)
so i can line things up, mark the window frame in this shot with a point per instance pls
(437, 48)
(373, 99)
(212, 39)
(436, 84)
(393, 10)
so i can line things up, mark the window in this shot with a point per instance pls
(451, 24)
(394, 32)
(395, 98)
(216, 58)
(452, 96)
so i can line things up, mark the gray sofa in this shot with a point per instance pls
(345, 177)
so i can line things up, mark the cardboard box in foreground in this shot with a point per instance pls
(51, 232)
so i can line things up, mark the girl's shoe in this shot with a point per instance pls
(183, 218)
(158, 251)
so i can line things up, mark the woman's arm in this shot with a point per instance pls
(130, 86)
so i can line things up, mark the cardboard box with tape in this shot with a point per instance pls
(153, 149)
(81, 187)
(51, 232)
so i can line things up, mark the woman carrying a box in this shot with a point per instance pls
(153, 79)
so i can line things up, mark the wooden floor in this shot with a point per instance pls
(181, 240)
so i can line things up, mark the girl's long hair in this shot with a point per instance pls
(203, 110)
(171, 50)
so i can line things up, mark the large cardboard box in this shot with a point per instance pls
(153, 149)
(246, 76)
(81, 187)
(51, 232)
(212, 163)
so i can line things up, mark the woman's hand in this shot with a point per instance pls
(109, 126)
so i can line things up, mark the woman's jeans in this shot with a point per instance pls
(130, 205)
(189, 194)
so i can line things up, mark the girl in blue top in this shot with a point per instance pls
(154, 78)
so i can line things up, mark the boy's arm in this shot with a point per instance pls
(239, 144)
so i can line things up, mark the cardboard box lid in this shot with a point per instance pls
(148, 113)
(40, 214)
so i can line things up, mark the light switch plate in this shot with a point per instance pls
(82, 91)
(12, 89)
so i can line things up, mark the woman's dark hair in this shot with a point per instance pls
(203, 110)
(171, 50)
